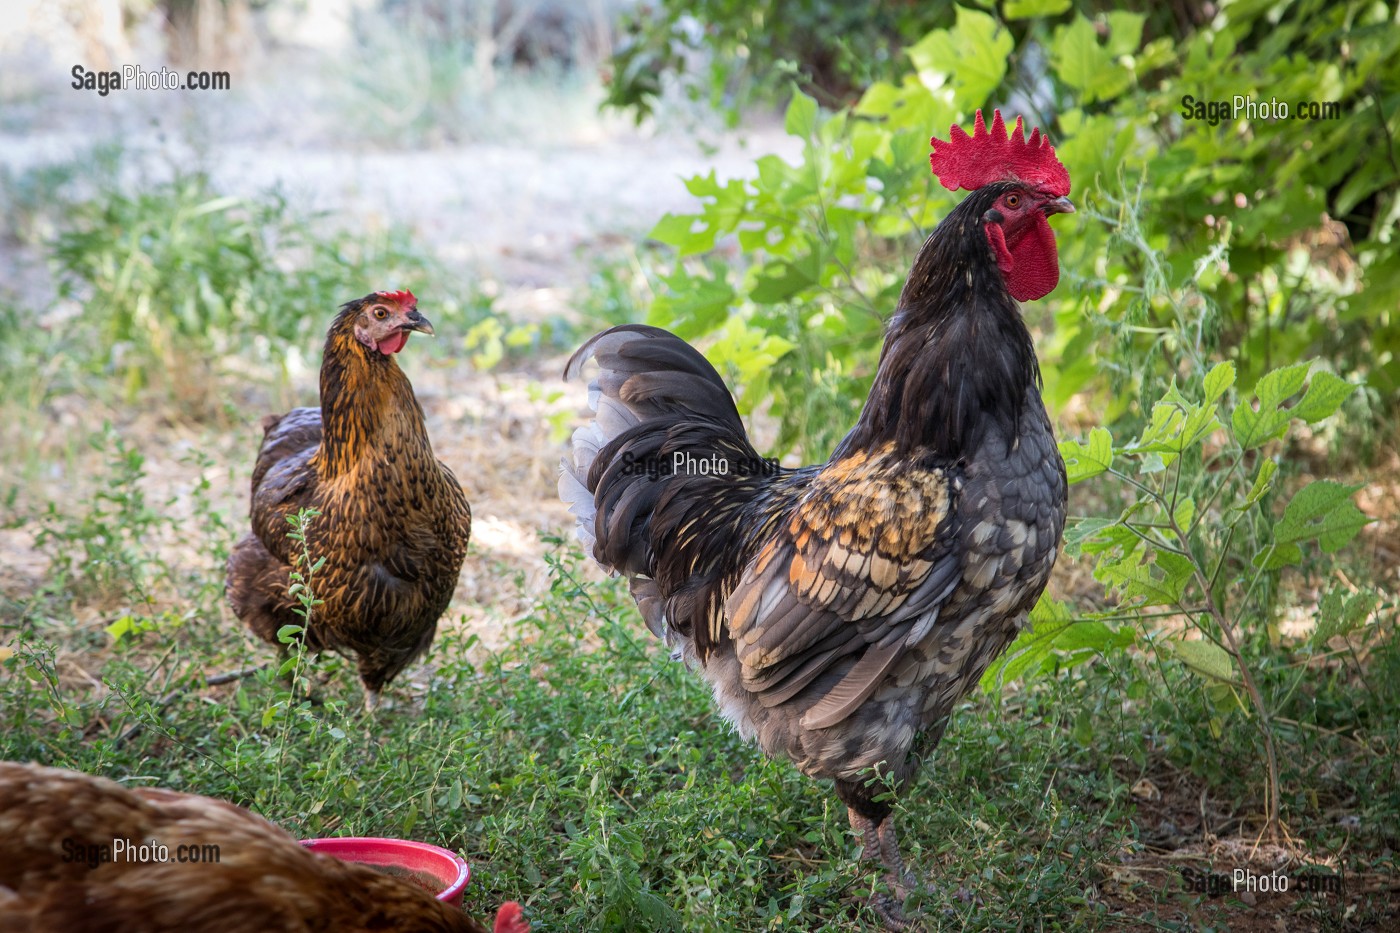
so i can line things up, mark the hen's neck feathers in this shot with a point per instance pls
(957, 357)
(367, 405)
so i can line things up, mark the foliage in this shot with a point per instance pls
(472, 71)
(729, 53)
(1192, 559)
(823, 244)
(101, 552)
(175, 274)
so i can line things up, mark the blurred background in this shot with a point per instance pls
(753, 176)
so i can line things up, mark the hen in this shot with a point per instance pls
(839, 611)
(53, 879)
(394, 523)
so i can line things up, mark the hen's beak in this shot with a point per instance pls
(421, 324)
(1059, 206)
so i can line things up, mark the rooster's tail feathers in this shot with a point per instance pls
(653, 392)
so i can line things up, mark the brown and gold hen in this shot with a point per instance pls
(840, 610)
(56, 824)
(393, 524)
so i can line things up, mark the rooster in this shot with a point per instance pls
(393, 524)
(60, 871)
(839, 611)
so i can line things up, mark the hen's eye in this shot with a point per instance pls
(1013, 200)
(380, 314)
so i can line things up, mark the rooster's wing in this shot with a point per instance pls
(860, 566)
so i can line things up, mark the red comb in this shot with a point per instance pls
(989, 156)
(404, 297)
(509, 919)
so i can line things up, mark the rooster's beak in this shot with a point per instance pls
(1059, 206)
(421, 324)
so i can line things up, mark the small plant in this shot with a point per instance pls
(299, 588)
(104, 551)
(1192, 558)
(175, 276)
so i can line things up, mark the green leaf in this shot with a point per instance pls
(1124, 32)
(1085, 461)
(1048, 619)
(1083, 731)
(1323, 510)
(691, 305)
(287, 633)
(688, 233)
(1275, 386)
(1078, 532)
(1083, 64)
(120, 628)
(1204, 658)
(801, 117)
(1254, 427)
(1340, 614)
(1277, 556)
(788, 279)
(1218, 380)
(1160, 583)
(1325, 395)
(1026, 9)
(971, 57)
(1184, 513)
(1263, 482)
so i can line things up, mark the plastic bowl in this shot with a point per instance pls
(447, 867)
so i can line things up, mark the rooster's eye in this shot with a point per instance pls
(380, 314)
(1013, 200)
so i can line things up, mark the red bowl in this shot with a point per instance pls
(447, 867)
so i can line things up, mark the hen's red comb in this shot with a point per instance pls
(404, 298)
(989, 156)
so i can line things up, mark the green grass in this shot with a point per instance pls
(585, 774)
(580, 770)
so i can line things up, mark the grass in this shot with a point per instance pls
(580, 770)
(585, 774)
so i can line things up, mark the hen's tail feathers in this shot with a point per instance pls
(510, 919)
(654, 397)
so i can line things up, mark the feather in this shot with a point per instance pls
(854, 689)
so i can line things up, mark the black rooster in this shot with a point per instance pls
(840, 610)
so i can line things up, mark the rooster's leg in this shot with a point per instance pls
(371, 700)
(875, 825)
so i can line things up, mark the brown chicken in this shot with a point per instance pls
(839, 611)
(394, 523)
(61, 870)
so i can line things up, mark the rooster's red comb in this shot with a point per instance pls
(989, 156)
(404, 298)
